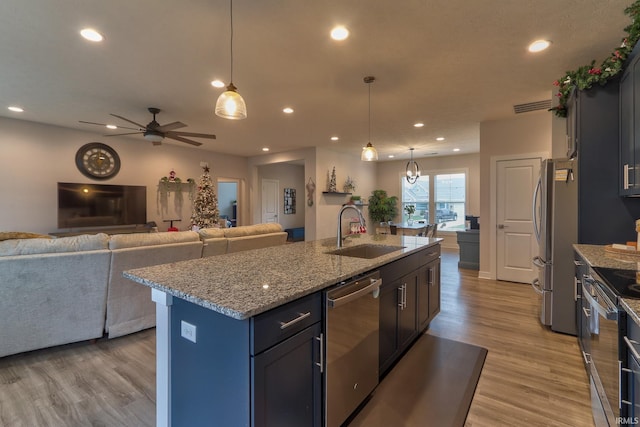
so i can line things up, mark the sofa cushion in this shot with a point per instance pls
(83, 242)
(252, 230)
(257, 241)
(10, 235)
(211, 233)
(134, 240)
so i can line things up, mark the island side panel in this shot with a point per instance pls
(209, 378)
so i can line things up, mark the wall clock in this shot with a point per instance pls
(97, 161)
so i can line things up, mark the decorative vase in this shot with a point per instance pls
(410, 220)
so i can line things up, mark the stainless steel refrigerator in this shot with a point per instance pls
(555, 219)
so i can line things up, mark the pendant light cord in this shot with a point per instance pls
(369, 84)
(231, 15)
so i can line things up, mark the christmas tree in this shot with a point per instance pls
(205, 205)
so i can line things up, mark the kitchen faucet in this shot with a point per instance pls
(363, 223)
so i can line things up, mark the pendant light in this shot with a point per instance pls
(413, 170)
(369, 152)
(230, 104)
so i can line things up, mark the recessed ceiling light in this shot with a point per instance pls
(16, 109)
(334, 138)
(287, 110)
(418, 125)
(265, 149)
(112, 127)
(440, 138)
(339, 33)
(456, 149)
(539, 45)
(217, 83)
(91, 35)
(391, 156)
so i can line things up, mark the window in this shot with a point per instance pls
(446, 207)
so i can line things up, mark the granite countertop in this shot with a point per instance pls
(596, 256)
(243, 284)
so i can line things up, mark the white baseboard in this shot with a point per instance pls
(486, 275)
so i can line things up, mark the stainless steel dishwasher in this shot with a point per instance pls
(352, 325)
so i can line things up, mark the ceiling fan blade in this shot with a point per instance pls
(193, 134)
(104, 124)
(121, 134)
(142, 127)
(170, 126)
(181, 139)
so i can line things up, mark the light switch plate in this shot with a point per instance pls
(188, 331)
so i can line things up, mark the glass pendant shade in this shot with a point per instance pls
(369, 153)
(230, 104)
(413, 170)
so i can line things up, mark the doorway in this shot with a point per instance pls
(228, 200)
(516, 244)
(270, 198)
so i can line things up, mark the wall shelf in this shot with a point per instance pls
(336, 193)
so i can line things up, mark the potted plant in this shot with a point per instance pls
(356, 200)
(409, 209)
(382, 208)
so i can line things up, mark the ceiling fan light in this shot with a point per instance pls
(369, 153)
(153, 137)
(230, 104)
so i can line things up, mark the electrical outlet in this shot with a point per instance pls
(188, 331)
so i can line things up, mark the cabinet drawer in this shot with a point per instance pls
(430, 254)
(283, 322)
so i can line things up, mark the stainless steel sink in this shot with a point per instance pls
(367, 251)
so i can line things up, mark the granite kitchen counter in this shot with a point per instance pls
(596, 256)
(243, 284)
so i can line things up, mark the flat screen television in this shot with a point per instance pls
(99, 205)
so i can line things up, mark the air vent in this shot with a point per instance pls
(532, 106)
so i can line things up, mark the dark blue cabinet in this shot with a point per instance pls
(287, 383)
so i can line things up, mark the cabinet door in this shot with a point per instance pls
(388, 334)
(287, 382)
(434, 288)
(627, 145)
(407, 309)
(423, 298)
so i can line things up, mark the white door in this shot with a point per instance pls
(270, 199)
(516, 242)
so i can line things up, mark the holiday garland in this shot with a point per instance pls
(588, 75)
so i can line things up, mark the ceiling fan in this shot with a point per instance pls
(155, 132)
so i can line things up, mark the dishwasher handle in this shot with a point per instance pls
(373, 286)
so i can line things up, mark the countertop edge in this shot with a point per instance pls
(318, 286)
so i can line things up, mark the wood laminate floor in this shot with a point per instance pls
(531, 377)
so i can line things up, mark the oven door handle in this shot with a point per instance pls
(630, 345)
(606, 312)
(373, 286)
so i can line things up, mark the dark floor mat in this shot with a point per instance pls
(431, 386)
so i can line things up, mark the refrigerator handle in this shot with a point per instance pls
(535, 205)
(535, 284)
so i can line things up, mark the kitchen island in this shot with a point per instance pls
(213, 318)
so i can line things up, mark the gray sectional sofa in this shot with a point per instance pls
(69, 289)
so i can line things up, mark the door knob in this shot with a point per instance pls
(501, 226)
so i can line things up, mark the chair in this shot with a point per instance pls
(393, 229)
(432, 230)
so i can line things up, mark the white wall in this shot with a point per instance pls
(327, 205)
(288, 176)
(35, 157)
(524, 134)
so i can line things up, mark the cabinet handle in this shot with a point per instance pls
(404, 296)
(625, 177)
(587, 311)
(321, 363)
(586, 357)
(578, 263)
(301, 316)
(400, 297)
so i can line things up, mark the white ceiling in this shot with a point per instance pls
(449, 63)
